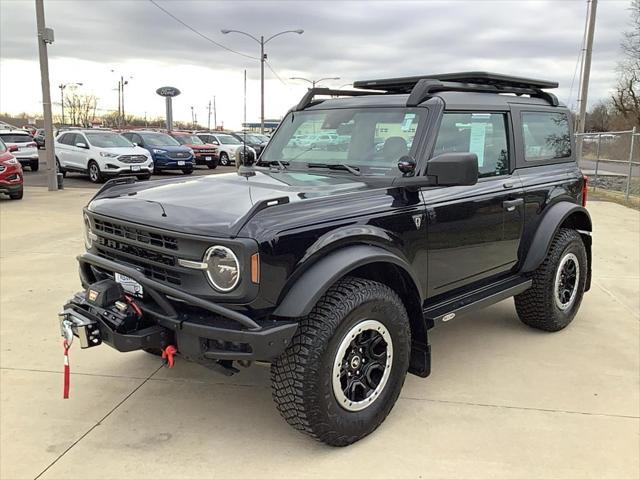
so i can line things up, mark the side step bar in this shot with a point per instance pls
(476, 299)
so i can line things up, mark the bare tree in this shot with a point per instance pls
(80, 109)
(626, 99)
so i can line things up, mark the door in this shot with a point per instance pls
(63, 152)
(474, 231)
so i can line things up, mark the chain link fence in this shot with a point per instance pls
(611, 160)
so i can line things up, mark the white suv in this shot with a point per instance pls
(231, 149)
(101, 154)
(22, 146)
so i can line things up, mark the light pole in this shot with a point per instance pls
(314, 82)
(263, 57)
(121, 83)
(62, 86)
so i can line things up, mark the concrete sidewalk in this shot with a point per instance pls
(503, 401)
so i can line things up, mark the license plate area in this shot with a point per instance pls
(180, 163)
(129, 285)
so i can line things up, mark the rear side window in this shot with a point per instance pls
(65, 138)
(16, 137)
(484, 134)
(546, 136)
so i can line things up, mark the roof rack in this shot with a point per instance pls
(421, 88)
(309, 97)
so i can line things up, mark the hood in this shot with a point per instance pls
(123, 150)
(170, 148)
(216, 205)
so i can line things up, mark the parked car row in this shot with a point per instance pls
(103, 154)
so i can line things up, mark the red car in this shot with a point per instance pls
(204, 153)
(11, 178)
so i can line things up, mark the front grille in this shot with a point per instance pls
(137, 234)
(203, 151)
(132, 158)
(178, 155)
(136, 251)
(150, 271)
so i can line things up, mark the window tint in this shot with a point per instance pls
(68, 138)
(16, 137)
(484, 134)
(546, 136)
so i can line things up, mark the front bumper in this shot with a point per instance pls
(162, 162)
(203, 331)
(117, 168)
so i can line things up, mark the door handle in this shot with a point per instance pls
(510, 205)
(507, 185)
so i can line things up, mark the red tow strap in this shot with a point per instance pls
(168, 353)
(67, 372)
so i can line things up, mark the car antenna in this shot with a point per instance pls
(164, 213)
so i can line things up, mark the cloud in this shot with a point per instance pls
(353, 40)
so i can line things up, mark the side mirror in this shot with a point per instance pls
(135, 144)
(453, 169)
(407, 164)
(81, 145)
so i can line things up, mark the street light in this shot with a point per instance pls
(314, 82)
(121, 83)
(62, 86)
(263, 56)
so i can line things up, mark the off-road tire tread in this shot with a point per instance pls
(296, 402)
(533, 306)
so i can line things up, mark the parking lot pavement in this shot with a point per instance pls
(79, 180)
(503, 401)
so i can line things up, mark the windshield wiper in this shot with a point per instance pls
(336, 166)
(272, 163)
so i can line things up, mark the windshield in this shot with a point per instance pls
(228, 140)
(369, 139)
(159, 140)
(251, 138)
(262, 138)
(108, 140)
(16, 137)
(189, 140)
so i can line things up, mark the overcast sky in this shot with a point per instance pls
(354, 40)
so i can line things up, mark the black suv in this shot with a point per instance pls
(454, 192)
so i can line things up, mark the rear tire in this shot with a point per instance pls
(34, 165)
(344, 369)
(558, 285)
(60, 169)
(95, 175)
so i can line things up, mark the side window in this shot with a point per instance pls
(484, 134)
(80, 139)
(546, 136)
(128, 136)
(64, 138)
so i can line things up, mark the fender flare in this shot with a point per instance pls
(309, 287)
(549, 226)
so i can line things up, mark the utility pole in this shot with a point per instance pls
(193, 119)
(586, 71)
(120, 102)
(45, 36)
(215, 118)
(62, 101)
(263, 58)
(244, 125)
(209, 117)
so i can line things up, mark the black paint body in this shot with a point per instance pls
(444, 240)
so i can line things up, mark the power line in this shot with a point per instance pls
(275, 73)
(201, 34)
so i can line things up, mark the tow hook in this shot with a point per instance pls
(167, 355)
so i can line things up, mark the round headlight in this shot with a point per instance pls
(88, 234)
(223, 268)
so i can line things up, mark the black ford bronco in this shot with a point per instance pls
(429, 197)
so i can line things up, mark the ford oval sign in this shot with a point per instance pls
(168, 91)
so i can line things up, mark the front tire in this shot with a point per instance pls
(558, 285)
(187, 171)
(60, 169)
(95, 175)
(17, 195)
(344, 369)
(224, 159)
(212, 165)
(34, 165)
